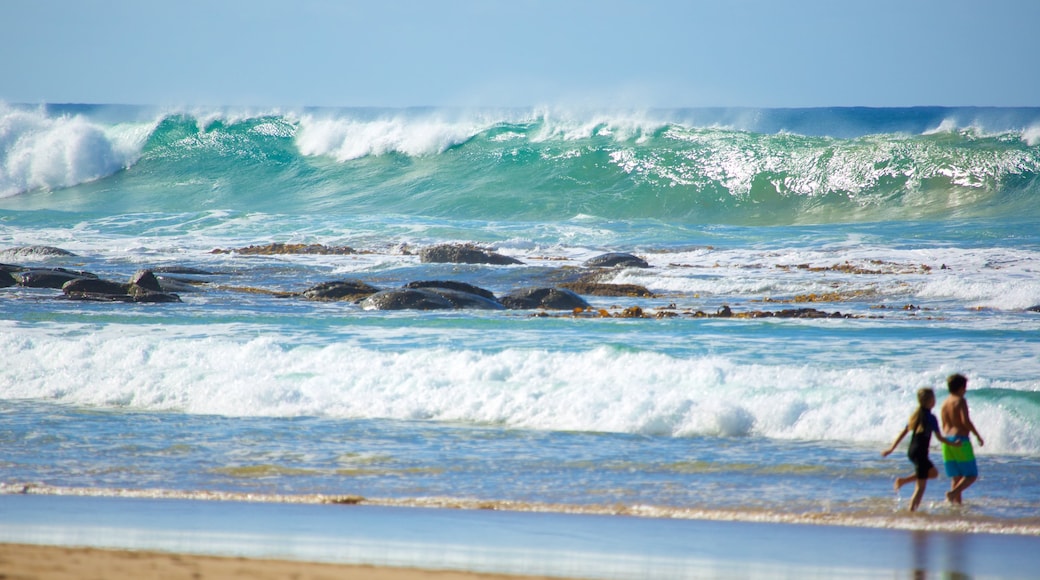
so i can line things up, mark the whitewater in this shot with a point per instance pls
(912, 233)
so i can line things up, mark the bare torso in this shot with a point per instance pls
(954, 415)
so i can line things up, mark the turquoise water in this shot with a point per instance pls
(918, 226)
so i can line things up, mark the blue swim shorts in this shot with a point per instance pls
(960, 461)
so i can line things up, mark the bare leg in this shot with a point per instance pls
(915, 500)
(958, 485)
(950, 495)
(901, 481)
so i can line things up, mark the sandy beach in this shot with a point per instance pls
(22, 561)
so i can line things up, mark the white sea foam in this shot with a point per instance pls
(603, 389)
(1031, 135)
(41, 152)
(345, 138)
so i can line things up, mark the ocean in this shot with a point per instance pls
(807, 270)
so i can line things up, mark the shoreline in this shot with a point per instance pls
(921, 521)
(407, 543)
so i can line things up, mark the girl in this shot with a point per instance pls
(921, 426)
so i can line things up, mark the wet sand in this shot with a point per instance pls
(22, 561)
(52, 536)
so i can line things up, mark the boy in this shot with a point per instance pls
(959, 461)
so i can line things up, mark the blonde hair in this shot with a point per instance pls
(923, 396)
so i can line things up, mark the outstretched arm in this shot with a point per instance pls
(895, 443)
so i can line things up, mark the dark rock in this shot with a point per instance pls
(278, 248)
(468, 300)
(98, 297)
(184, 270)
(600, 289)
(351, 290)
(617, 260)
(50, 278)
(724, 312)
(1034, 308)
(548, 298)
(407, 299)
(464, 254)
(146, 279)
(94, 286)
(143, 295)
(178, 284)
(452, 285)
(6, 279)
(37, 251)
(803, 313)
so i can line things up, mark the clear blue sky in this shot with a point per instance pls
(638, 53)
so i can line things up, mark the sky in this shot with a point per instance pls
(520, 53)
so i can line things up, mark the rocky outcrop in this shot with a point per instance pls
(464, 254)
(182, 270)
(145, 280)
(726, 312)
(7, 279)
(49, 278)
(436, 295)
(94, 286)
(142, 287)
(277, 248)
(601, 289)
(452, 285)
(466, 300)
(547, 298)
(616, 260)
(27, 251)
(336, 290)
(407, 299)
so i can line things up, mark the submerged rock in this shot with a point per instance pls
(452, 285)
(183, 270)
(37, 251)
(464, 254)
(601, 289)
(94, 286)
(616, 260)
(468, 300)
(143, 295)
(407, 299)
(352, 290)
(279, 248)
(6, 279)
(547, 298)
(49, 278)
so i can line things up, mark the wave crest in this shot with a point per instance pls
(38, 152)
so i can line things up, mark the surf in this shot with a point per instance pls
(678, 166)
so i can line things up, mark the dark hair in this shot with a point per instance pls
(956, 383)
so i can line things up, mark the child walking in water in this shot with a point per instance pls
(959, 461)
(921, 426)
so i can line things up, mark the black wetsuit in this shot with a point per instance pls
(919, 443)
